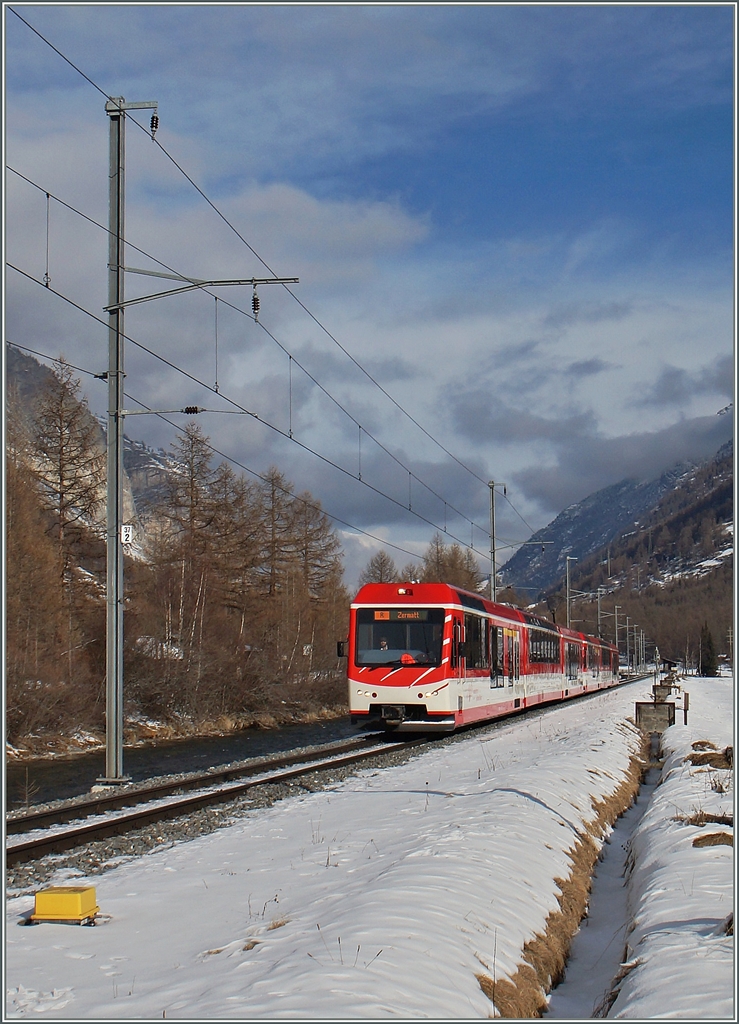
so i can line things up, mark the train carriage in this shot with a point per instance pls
(429, 657)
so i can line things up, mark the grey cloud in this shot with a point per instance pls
(482, 417)
(587, 464)
(587, 312)
(361, 504)
(587, 368)
(676, 386)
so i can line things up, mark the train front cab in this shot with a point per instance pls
(402, 650)
(430, 658)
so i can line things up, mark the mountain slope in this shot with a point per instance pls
(672, 574)
(586, 526)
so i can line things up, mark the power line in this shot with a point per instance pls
(245, 411)
(231, 458)
(264, 263)
(316, 320)
(236, 462)
(284, 348)
(59, 52)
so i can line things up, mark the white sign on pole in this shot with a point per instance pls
(126, 534)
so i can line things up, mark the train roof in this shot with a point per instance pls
(446, 593)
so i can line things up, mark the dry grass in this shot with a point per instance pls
(279, 922)
(704, 818)
(713, 758)
(703, 745)
(524, 994)
(714, 839)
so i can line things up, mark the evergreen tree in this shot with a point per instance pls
(435, 561)
(277, 531)
(316, 545)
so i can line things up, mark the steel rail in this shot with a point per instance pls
(127, 796)
(76, 835)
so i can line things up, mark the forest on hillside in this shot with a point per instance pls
(236, 599)
(231, 617)
(232, 609)
(673, 575)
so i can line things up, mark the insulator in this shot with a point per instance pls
(191, 410)
(154, 124)
(255, 304)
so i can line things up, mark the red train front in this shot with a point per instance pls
(426, 657)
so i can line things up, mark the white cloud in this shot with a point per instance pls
(517, 351)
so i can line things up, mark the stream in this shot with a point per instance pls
(64, 777)
(597, 948)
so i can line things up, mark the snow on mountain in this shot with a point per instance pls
(584, 527)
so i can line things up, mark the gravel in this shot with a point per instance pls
(99, 856)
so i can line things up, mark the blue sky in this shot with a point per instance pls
(519, 219)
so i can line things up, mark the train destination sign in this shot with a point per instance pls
(403, 615)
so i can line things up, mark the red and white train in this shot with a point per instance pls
(428, 657)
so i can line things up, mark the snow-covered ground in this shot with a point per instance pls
(386, 895)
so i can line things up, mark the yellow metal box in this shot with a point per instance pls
(65, 903)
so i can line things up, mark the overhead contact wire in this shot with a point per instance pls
(264, 263)
(279, 344)
(262, 260)
(237, 405)
(317, 507)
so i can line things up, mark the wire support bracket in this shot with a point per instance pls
(193, 283)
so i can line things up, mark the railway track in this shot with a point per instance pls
(97, 817)
(165, 800)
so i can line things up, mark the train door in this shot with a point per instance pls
(458, 648)
(572, 660)
(592, 659)
(497, 651)
(512, 656)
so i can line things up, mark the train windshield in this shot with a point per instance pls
(399, 636)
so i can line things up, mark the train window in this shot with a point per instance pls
(511, 655)
(543, 647)
(475, 646)
(399, 636)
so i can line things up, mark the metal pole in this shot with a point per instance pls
(643, 650)
(114, 625)
(615, 621)
(628, 653)
(491, 485)
(570, 558)
(600, 633)
(115, 108)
